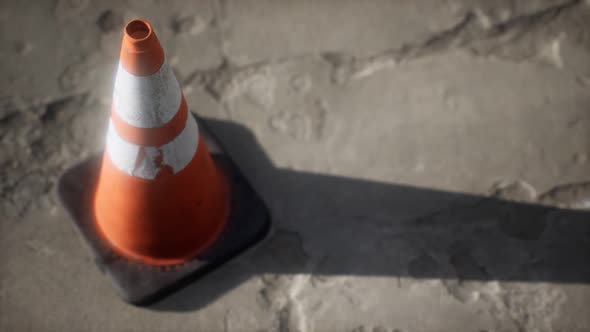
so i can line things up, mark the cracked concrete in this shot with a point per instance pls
(425, 162)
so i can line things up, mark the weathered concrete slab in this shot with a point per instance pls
(413, 155)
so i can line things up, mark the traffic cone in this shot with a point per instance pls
(158, 199)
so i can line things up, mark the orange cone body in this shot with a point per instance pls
(160, 197)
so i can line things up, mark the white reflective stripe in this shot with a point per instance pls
(122, 153)
(182, 149)
(177, 153)
(147, 101)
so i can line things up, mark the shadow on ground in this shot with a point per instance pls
(329, 225)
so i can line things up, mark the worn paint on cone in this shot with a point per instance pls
(156, 209)
(160, 198)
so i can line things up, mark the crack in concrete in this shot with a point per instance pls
(571, 195)
(437, 42)
(535, 18)
(465, 34)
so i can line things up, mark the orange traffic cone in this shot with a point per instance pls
(158, 198)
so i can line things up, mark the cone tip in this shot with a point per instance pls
(138, 30)
(141, 53)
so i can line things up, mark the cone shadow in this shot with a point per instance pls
(328, 225)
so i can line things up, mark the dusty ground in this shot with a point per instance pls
(374, 130)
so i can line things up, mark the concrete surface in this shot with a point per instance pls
(425, 162)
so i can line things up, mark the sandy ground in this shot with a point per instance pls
(425, 162)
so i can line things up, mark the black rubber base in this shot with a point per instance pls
(142, 284)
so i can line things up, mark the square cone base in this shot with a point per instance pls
(143, 284)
